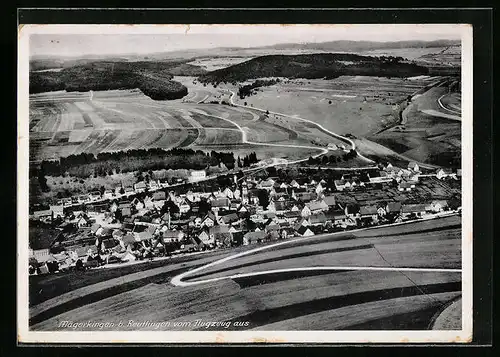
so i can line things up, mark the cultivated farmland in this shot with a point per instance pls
(63, 123)
(360, 294)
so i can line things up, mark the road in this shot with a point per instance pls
(178, 280)
(340, 137)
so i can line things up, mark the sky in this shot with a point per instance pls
(78, 40)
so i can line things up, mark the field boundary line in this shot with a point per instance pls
(178, 280)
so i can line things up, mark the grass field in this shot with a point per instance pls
(426, 137)
(349, 104)
(64, 123)
(315, 299)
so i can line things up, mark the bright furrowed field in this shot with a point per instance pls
(400, 277)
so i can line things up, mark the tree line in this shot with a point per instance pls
(247, 90)
(107, 163)
(332, 159)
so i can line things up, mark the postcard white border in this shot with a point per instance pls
(431, 336)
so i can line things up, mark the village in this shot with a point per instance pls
(157, 219)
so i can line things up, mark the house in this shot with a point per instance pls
(44, 215)
(267, 184)
(443, 173)
(413, 209)
(184, 206)
(137, 204)
(220, 203)
(438, 206)
(170, 236)
(128, 190)
(146, 234)
(228, 218)
(197, 175)
(319, 189)
(330, 201)
(254, 237)
(333, 146)
(228, 193)
(126, 212)
(393, 208)
(108, 194)
(96, 229)
(148, 203)
(305, 196)
(221, 235)
(318, 219)
(304, 231)
(153, 185)
(209, 220)
(95, 195)
(291, 216)
(352, 210)
(82, 221)
(369, 212)
(284, 185)
(140, 186)
(340, 185)
(317, 206)
(379, 176)
(306, 212)
(159, 196)
(242, 209)
(405, 186)
(57, 210)
(206, 238)
(413, 166)
(294, 184)
(41, 255)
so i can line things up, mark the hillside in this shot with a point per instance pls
(350, 46)
(310, 66)
(154, 79)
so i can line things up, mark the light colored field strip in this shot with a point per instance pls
(206, 97)
(245, 140)
(439, 114)
(178, 280)
(317, 268)
(343, 138)
(445, 108)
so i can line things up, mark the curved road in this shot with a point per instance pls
(178, 280)
(340, 137)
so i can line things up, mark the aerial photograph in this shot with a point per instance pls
(265, 178)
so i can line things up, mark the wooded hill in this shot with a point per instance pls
(310, 66)
(154, 79)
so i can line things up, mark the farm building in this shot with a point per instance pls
(197, 175)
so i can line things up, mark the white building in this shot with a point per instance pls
(198, 175)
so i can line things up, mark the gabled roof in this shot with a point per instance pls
(140, 184)
(95, 227)
(352, 208)
(218, 229)
(169, 233)
(291, 214)
(221, 202)
(394, 207)
(409, 208)
(255, 235)
(302, 230)
(159, 195)
(317, 218)
(231, 217)
(317, 205)
(368, 210)
(209, 215)
(330, 200)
